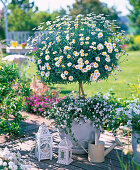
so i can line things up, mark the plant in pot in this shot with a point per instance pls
(75, 116)
(81, 50)
(129, 117)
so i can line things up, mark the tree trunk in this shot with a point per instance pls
(81, 91)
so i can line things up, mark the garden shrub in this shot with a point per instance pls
(10, 117)
(137, 39)
(133, 47)
(41, 99)
(134, 43)
(8, 74)
(12, 89)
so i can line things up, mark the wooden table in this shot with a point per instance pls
(17, 50)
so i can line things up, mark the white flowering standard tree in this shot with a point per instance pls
(81, 50)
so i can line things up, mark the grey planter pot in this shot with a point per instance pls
(83, 132)
(136, 147)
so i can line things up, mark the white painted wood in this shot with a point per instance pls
(19, 36)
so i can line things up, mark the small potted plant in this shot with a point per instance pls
(129, 118)
(83, 49)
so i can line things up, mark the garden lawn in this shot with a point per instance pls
(130, 74)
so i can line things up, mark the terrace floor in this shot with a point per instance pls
(80, 162)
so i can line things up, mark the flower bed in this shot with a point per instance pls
(42, 98)
(12, 161)
(40, 104)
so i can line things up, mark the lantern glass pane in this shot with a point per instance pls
(69, 154)
(62, 155)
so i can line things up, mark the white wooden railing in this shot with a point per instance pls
(19, 36)
(22, 36)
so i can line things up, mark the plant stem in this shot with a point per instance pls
(81, 89)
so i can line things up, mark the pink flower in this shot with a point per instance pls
(35, 49)
(24, 98)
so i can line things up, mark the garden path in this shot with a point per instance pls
(80, 162)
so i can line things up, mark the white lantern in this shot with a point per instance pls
(65, 152)
(44, 142)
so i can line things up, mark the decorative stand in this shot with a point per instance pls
(44, 142)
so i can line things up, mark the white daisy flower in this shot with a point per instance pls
(41, 53)
(95, 65)
(88, 67)
(47, 74)
(69, 64)
(39, 61)
(97, 58)
(62, 75)
(87, 38)
(106, 67)
(93, 43)
(47, 57)
(66, 72)
(86, 62)
(84, 70)
(43, 67)
(100, 35)
(107, 59)
(57, 64)
(71, 78)
(116, 50)
(42, 73)
(93, 78)
(48, 67)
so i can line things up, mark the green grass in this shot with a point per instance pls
(130, 74)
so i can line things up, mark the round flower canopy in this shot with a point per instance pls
(83, 49)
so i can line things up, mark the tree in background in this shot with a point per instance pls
(23, 4)
(134, 16)
(40, 17)
(88, 6)
(2, 34)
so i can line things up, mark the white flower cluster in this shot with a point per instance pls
(78, 46)
(96, 109)
(130, 112)
(12, 161)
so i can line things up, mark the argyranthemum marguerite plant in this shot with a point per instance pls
(85, 49)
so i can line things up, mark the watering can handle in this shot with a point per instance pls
(83, 146)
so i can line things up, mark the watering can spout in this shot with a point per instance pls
(117, 143)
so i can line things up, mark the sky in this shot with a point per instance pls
(121, 5)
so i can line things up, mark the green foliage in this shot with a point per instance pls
(127, 165)
(137, 39)
(134, 43)
(23, 4)
(83, 50)
(10, 117)
(19, 20)
(88, 6)
(12, 90)
(135, 89)
(8, 74)
(2, 34)
(40, 17)
(133, 47)
(134, 16)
